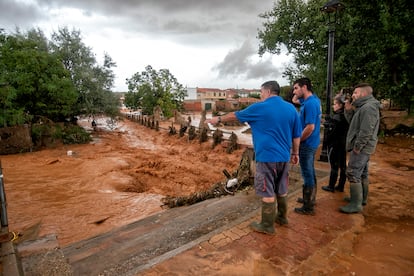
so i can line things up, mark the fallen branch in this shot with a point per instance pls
(244, 175)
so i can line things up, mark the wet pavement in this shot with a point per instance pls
(211, 237)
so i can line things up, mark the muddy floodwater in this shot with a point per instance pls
(119, 178)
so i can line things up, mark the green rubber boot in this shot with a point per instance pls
(281, 216)
(355, 204)
(268, 219)
(365, 190)
(365, 184)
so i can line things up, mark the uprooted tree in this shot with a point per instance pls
(244, 175)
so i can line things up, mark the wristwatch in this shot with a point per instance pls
(219, 119)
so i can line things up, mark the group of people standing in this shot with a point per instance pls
(282, 135)
(353, 128)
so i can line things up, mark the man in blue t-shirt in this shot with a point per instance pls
(276, 131)
(310, 117)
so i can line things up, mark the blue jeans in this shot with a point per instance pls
(307, 167)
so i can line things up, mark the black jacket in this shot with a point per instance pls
(337, 130)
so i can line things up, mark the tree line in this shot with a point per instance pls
(58, 78)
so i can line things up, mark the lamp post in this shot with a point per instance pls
(331, 8)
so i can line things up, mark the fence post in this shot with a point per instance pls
(3, 210)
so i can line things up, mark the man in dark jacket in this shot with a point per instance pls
(361, 142)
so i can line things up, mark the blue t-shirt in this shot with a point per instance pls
(274, 123)
(310, 113)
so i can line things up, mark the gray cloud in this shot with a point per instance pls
(239, 63)
(187, 20)
(208, 25)
(19, 15)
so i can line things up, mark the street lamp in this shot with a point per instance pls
(331, 8)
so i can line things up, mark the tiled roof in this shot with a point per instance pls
(205, 90)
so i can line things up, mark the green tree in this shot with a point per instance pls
(133, 100)
(92, 81)
(372, 44)
(151, 88)
(286, 92)
(33, 80)
(255, 95)
(56, 79)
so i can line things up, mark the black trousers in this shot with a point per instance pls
(337, 161)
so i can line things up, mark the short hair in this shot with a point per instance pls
(304, 81)
(273, 86)
(364, 86)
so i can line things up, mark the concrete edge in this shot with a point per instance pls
(191, 244)
(10, 263)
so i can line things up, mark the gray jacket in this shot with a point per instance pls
(363, 125)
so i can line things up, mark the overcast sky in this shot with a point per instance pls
(204, 43)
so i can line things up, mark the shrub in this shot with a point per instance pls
(74, 134)
(46, 134)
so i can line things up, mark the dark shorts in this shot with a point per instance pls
(271, 179)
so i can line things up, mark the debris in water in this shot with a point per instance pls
(244, 177)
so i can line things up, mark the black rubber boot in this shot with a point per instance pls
(339, 188)
(341, 182)
(313, 196)
(355, 203)
(328, 189)
(300, 199)
(307, 208)
(281, 216)
(268, 219)
(365, 184)
(332, 180)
